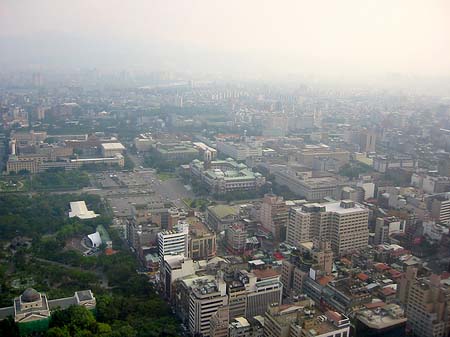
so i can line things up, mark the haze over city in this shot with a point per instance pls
(351, 38)
(205, 168)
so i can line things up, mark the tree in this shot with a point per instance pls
(122, 329)
(129, 164)
(107, 311)
(8, 328)
(103, 330)
(58, 332)
(77, 321)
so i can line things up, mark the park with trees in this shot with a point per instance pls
(127, 304)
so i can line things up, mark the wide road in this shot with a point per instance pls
(174, 190)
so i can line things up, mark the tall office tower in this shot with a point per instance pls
(316, 256)
(264, 287)
(322, 255)
(367, 140)
(219, 323)
(405, 283)
(235, 237)
(205, 299)
(40, 113)
(175, 241)
(344, 223)
(37, 79)
(249, 293)
(174, 267)
(427, 307)
(440, 209)
(237, 298)
(274, 216)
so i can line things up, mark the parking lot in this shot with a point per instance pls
(126, 189)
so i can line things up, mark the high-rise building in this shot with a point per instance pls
(264, 287)
(202, 241)
(237, 296)
(173, 268)
(440, 209)
(205, 299)
(249, 293)
(235, 237)
(344, 224)
(316, 256)
(405, 283)
(274, 216)
(174, 242)
(427, 307)
(367, 140)
(37, 79)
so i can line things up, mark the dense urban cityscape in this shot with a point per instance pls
(139, 203)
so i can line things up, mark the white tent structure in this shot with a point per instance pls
(79, 209)
(95, 239)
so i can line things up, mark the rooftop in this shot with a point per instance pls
(382, 316)
(240, 322)
(222, 211)
(262, 274)
(113, 146)
(197, 228)
(79, 209)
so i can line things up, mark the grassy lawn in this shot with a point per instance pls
(166, 175)
(12, 184)
(197, 203)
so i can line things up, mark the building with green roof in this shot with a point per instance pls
(219, 217)
(223, 176)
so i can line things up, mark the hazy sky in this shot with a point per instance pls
(312, 36)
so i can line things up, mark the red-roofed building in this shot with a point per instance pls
(323, 281)
(374, 305)
(381, 267)
(387, 294)
(395, 274)
(278, 256)
(363, 277)
(346, 261)
(445, 275)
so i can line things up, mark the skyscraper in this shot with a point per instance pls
(344, 223)
(274, 216)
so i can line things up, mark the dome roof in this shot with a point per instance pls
(30, 295)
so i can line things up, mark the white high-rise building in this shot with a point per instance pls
(207, 295)
(344, 223)
(174, 267)
(175, 241)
